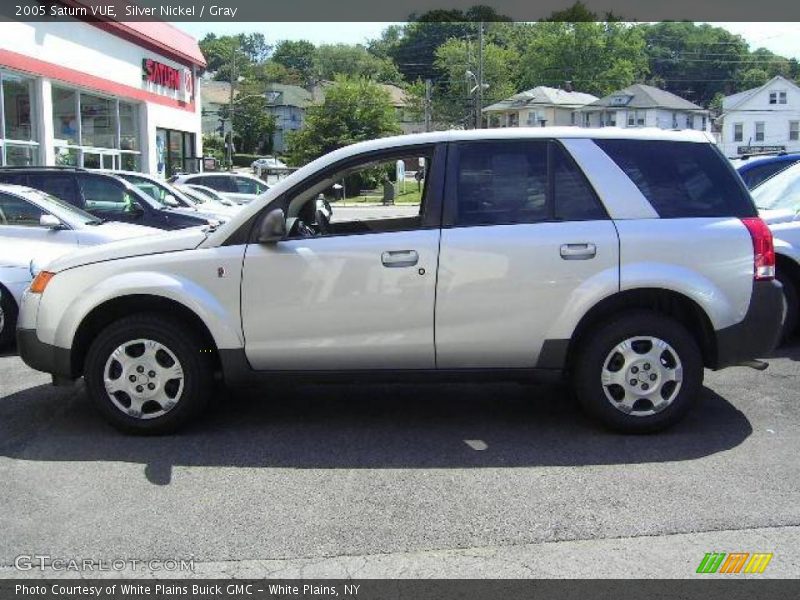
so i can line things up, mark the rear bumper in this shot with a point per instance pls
(760, 330)
(43, 357)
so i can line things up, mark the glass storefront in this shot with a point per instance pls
(175, 152)
(95, 132)
(17, 127)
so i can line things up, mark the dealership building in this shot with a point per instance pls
(100, 95)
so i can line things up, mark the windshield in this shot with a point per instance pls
(781, 191)
(61, 209)
(158, 191)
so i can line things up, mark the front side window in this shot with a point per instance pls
(681, 179)
(103, 194)
(15, 211)
(245, 185)
(760, 131)
(379, 195)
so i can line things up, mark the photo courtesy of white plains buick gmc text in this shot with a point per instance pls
(623, 261)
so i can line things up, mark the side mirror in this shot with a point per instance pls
(50, 222)
(170, 200)
(273, 227)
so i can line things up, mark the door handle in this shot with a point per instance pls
(399, 258)
(583, 251)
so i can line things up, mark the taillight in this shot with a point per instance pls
(763, 249)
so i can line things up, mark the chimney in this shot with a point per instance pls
(568, 86)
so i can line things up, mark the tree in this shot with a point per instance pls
(753, 78)
(596, 57)
(354, 61)
(296, 57)
(355, 109)
(454, 100)
(253, 125)
(249, 49)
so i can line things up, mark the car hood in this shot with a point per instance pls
(777, 216)
(111, 231)
(171, 241)
(209, 215)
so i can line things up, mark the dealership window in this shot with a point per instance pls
(95, 132)
(794, 131)
(175, 152)
(17, 127)
(738, 132)
(760, 131)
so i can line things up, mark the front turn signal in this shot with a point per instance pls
(40, 281)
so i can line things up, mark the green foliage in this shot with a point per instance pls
(296, 57)
(355, 109)
(454, 99)
(244, 160)
(596, 57)
(248, 49)
(214, 145)
(354, 61)
(252, 124)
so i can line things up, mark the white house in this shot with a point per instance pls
(642, 105)
(538, 107)
(763, 119)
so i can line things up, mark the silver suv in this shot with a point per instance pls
(624, 261)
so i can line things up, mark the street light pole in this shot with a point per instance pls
(479, 95)
(229, 145)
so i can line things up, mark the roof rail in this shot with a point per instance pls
(42, 168)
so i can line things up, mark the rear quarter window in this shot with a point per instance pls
(682, 179)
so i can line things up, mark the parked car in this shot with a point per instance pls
(202, 195)
(755, 170)
(621, 260)
(268, 162)
(170, 196)
(238, 187)
(778, 200)
(37, 227)
(102, 195)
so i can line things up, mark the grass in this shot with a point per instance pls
(411, 196)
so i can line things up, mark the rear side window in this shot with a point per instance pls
(19, 212)
(760, 173)
(502, 183)
(681, 179)
(60, 185)
(221, 183)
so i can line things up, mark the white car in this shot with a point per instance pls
(624, 261)
(269, 162)
(778, 201)
(239, 187)
(36, 228)
(172, 197)
(203, 195)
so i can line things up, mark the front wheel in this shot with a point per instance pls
(638, 373)
(148, 375)
(8, 318)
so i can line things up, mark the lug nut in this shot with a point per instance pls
(646, 366)
(132, 378)
(645, 387)
(634, 369)
(140, 369)
(653, 377)
(151, 374)
(151, 386)
(634, 381)
(139, 389)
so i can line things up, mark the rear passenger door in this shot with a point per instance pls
(526, 246)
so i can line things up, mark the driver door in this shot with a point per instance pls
(360, 296)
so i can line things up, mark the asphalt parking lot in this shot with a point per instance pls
(456, 480)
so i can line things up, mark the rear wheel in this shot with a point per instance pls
(8, 318)
(147, 375)
(638, 373)
(791, 299)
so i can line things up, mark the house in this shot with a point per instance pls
(287, 104)
(763, 119)
(538, 107)
(642, 105)
(213, 95)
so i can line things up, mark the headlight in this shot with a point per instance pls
(40, 282)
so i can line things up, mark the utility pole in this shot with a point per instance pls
(428, 116)
(229, 145)
(479, 95)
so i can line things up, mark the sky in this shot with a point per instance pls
(781, 38)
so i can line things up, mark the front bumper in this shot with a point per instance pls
(758, 333)
(44, 357)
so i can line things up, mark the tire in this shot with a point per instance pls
(790, 295)
(8, 318)
(148, 346)
(600, 366)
